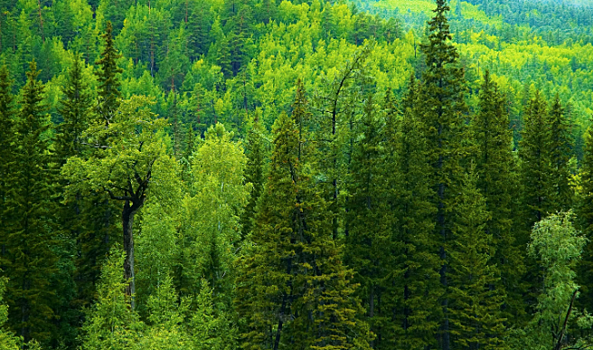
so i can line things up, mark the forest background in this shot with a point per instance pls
(163, 129)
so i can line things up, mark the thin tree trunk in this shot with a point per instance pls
(128, 224)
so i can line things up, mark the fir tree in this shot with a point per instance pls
(7, 136)
(443, 93)
(368, 244)
(294, 291)
(476, 317)
(535, 163)
(98, 213)
(107, 76)
(537, 186)
(560, 154)
(584, 211)
(111, 323)
(254, 173)
(29, 258)
(8, 341)
(494, 166)
(419, 261)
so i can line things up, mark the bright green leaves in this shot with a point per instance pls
(133, 145)
(7, 340)
(111, 323)
(210, 230)
(557, 248)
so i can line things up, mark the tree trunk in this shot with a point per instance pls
(128, 224)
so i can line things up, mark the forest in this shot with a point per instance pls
(296, 175)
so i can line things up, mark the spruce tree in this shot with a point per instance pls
(98, 213)
(584, 212)
(107, 76)
(368, 244)
(293, 291)
(418, 309)
(560, 154)
(495, 171)
(442, 94)
(29, 260)
(536, 167)
(74, 108)
(7, 136)
(254, 173)
(476, 316)
(537, 184)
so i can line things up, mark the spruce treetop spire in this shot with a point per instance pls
(109, 84)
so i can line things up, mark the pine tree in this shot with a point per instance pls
(418, 306)
(476, 316)
(293, 291)
(368, 244)
(494, 166)
(29, 259)
(443, 93)
(107, 76)
(254, 173)
(560, 154)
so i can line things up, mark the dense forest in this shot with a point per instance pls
(265, 174)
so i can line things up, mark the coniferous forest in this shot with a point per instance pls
(296, 175)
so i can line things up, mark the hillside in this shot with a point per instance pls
(296, 175)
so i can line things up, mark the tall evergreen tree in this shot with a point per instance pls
(29, 259)
(74, 109)
(560, 154)
(418, 306)
(107, 75)
(294, 292)
(443, 93)
(98, 213)
(254, 173)
(476, 316)
(537, 184)
(584, 211)
(495, 170)
(535, 164)
(7, 136)
(368, 244)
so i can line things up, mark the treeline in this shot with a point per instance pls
(367, 218)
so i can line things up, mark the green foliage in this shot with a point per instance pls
(557, 247)
(254, 172)
(496, 180)
(412, 193)
(535, 163)
(476, 315)
(28, 258)
(109, 94)
(584, 220)
(560, 154)
(111, 323)
(369, 246)
(292, 278)
(8, 341)
(210, 229)
(443, 93)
